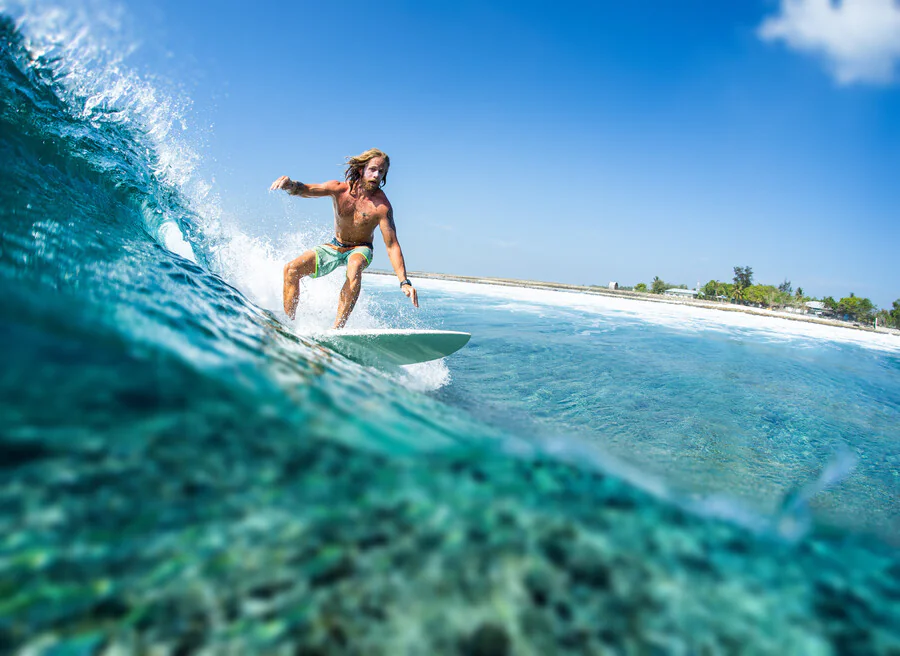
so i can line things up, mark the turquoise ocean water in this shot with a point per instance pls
(183, 469)
(719, 406)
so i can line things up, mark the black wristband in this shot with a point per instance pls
(406, 282)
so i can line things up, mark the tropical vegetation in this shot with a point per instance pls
(742, 290)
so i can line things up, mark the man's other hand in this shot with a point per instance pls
(410, 291)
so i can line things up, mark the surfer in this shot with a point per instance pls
(359, 207)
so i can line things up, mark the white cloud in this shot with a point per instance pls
(860, 39)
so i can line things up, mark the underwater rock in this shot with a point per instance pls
(486, 640)
(414, 557)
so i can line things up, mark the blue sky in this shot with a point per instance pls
(571, 142)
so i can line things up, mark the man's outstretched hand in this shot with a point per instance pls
(285, 183)
(410, 291)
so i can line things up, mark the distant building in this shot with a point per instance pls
(682, 293)
(817, 308)
(613, 285)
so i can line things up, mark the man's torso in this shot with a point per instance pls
(356, 215)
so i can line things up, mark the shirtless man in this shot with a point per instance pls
(359, 207)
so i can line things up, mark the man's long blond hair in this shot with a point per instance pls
(356, 165)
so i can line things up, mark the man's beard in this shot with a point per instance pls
(369, 186)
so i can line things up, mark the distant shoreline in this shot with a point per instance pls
(641, 296)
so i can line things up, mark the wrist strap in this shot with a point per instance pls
(406, 282)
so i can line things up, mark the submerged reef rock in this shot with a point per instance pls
(216, 537)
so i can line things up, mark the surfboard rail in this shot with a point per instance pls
(392, 346)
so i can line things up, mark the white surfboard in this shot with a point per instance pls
(380, 347)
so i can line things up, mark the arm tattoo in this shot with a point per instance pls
(390, 218)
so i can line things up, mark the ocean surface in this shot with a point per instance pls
(717, 407)
(182, 468)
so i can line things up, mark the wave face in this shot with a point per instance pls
(88, 201)
(181, 472)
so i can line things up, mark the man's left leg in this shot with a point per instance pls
(350, 291)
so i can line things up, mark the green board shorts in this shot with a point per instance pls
(328, 259)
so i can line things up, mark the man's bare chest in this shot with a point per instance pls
(360, 211)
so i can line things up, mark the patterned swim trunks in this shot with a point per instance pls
(329, 258)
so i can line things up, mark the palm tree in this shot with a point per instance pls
(720, 288)
(798, 298)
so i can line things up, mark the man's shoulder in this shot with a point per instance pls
(385, 210)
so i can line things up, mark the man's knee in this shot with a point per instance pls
(291, 273)
(293, 270)
(355, 268)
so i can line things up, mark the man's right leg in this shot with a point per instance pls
(305, 265)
